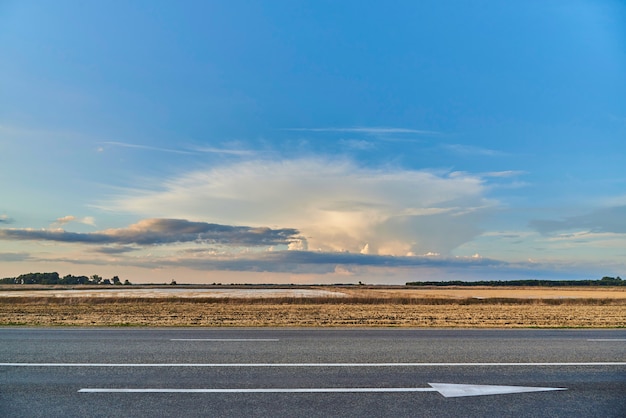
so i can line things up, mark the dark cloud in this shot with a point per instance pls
(602, 220)
(325, 262)
(14, 257)
(115, 250)
(164, 231)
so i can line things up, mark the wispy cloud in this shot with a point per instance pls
(185, 151)
(239, 152)
(472, 150)
(612, 219)
(163, 231)
(373, 130)
(504, 174)
(146, 147)
(4, 219)
(357, 144)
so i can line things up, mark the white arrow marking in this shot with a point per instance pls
(455, 391)
(447, 390)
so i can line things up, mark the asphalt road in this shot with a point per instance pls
(194, 372)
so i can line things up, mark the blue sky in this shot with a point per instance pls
(313, 141)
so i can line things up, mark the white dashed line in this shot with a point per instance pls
(606, 339)
(227, 339)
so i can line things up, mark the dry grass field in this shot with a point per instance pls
(352, 306)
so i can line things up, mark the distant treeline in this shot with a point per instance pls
(605, 281)
(54, 278)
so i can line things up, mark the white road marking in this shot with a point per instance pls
(227, 339)
(264, 390)
(606, 339)
(599, 363)
(454, 391)
(448, 390)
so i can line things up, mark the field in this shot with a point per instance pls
(316, 306)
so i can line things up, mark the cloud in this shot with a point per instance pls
(14, 257)
(504, 174)
(145, 147)
(88, 220)
(335, 204)
(612, 220)
(117, 249)
(322, 262)
(239, 152)
(163, 231)
(4, 219)
(317, 267)
(368, 130)
(198, 150)
(356, 144)
(472, 150)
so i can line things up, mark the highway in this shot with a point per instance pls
(229, 372)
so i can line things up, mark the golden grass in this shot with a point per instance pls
(262, 314)
(362, 307)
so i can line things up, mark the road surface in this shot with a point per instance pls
(194, 372)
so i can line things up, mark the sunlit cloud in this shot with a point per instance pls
(335, 204)
(87, 220)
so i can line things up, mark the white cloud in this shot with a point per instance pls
(336, 205)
